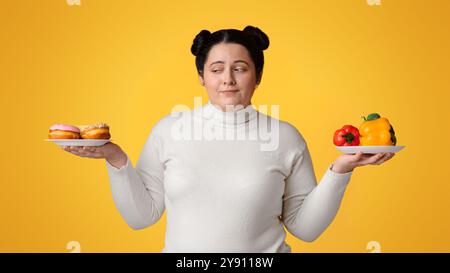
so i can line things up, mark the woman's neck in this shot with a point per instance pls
(233, 114)
(230, 107)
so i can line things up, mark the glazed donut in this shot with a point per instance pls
(96, 131)
(63, 131)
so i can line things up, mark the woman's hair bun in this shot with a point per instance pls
(260, 37)
(199, 40)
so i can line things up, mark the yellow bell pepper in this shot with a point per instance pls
(376, 131)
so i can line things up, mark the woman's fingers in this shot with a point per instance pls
(379, 158)
(84, 151)
(90, 149)
(375, 159)
(357, 157)
(384, 158)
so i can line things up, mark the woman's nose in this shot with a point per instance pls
(229, 80)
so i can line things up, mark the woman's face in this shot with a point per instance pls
(229, 75)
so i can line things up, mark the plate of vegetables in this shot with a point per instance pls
(375, 135)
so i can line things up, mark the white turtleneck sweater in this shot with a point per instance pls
(222, 193)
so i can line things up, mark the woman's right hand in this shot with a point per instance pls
(110, 151)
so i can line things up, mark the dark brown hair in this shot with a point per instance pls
(252, 38)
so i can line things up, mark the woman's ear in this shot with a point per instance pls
(258, 80)
(202, 82)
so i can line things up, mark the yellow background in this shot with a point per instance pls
(127, 63)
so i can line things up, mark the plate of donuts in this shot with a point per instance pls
(79, 142)
(83, 135)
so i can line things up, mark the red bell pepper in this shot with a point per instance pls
(346, 136)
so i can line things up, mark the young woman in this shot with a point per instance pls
(227, 195)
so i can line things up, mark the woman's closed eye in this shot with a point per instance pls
(236, 69)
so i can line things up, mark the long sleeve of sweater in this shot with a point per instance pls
(138, 193)
(308, 208)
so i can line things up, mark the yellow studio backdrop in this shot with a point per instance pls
(127, 63)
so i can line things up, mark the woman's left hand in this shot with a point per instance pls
(348, 162)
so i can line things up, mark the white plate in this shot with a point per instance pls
(79, 142)
(369, 149)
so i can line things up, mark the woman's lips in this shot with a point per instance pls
(228, 93)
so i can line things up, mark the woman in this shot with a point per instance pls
(227, 195)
